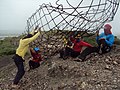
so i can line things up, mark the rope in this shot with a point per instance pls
(58, 22)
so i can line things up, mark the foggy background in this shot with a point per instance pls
(14, 14)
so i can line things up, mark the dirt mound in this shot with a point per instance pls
(100, 72)
(5, 60)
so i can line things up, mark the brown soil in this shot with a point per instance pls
(5, 60)
(100, 72)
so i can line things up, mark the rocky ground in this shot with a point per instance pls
(100, 72)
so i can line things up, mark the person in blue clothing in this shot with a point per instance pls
(105, 40)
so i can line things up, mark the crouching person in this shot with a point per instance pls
(36, 58)
(105, 40)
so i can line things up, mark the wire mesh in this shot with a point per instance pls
(58, 21)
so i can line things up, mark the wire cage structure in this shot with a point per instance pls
(59, 20)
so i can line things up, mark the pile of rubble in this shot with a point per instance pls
(100, 72)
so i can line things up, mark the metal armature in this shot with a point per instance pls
(59, 21)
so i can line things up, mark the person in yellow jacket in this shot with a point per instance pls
(20, 53)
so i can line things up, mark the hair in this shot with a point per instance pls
(107, 26)
(107, 29)
(28, 36)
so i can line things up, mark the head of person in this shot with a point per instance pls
(107, 29)
(37, 49)
(78, 38)
(28, 36)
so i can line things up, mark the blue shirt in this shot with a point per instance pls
(109, 39)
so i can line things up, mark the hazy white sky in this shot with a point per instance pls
(14, 13)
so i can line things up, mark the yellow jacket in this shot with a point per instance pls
(24, 45)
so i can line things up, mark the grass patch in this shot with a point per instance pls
(91, 40)
(6, 48)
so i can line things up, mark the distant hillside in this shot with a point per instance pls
(10, 32)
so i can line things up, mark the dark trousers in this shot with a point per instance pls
(88, 51)
(68, 52)
(103, 46)
(19, 63)
(33, 64)
(62, 53)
